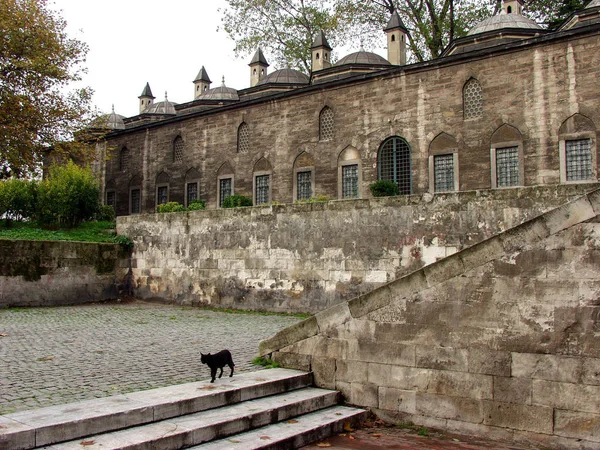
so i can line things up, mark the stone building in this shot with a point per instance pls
(509, 105)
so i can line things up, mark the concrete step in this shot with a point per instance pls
(37, 428)
(193, 429)
(292, 434)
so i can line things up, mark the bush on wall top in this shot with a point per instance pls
(236, 201)
(384, 188)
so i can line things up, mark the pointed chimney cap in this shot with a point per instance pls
(259, 57)
(202, 76)
(321, 41)
(395, 23)
(147, 92)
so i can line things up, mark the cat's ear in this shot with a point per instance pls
(202, 354)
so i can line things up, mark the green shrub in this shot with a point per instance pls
(170, 207)
(319, 198)
(68, 196)
(18, 199)
(384, 188)
(106, 213)
(236, 201)
(196, 205)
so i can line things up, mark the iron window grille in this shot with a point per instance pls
(304, 185)
(124, 160)
(350, 181)
(394, 164)
(224, 190)
(443, 172)
(178, 150)
(111, 199)
(162, 195)
(243, 138)
(472, 99)
(136, 201)
(507, 166)
(262, 189)
(578, 155)
(192, 192)
(326, 124)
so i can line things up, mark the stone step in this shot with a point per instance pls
(294, 433)
(37, 428)
(194, 429)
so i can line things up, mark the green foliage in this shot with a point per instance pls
(69, 196)
(38, 63)
(170, 207)
(319, 198)
(196, 205)
(384, 188)
(106, 213)
(86, 232)
(123, 241)
(236, 201)
(267, 363)
(17, 199)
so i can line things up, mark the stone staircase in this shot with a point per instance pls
(269, 409)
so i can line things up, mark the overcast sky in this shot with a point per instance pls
(164, 43)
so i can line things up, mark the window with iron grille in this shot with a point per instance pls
(394, 163)
(224, 189)
(326, 124)
(111, 199)
(443, 173)
(191, 192)
(578, 155)
(178, 150)
(162, 195)
(304, 185)
(124, 160)
(507, 166)
(472, 99)
(243, 138)
(350, 181)
(262, 189)
(136, 201)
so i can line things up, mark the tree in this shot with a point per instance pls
(552, 13)
(38, 63)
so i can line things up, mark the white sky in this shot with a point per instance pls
(164, 43)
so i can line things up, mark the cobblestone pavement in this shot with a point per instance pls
(52, 356)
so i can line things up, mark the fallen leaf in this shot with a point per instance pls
(265, 438)
(87, 443)
(338, 414)
(3, 334)
(342, 434)
(323, 444)
(376, 435)
(292, 421)
(348, 427)
(46, 358)
(208, 388)
(351, 437)
(233, 441)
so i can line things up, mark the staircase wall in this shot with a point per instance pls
(501, 339)
(307, 257)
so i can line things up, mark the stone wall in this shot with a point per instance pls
(501, 339)
(51, 273)
(307, 257)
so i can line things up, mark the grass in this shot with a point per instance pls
(86, 232)
(267, 363)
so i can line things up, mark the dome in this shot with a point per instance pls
(285, 76)
(363, 57)
(220, 93)
(114, 121)
(502, 21)
(165, 107)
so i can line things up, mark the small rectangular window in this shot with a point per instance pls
(304, 185)
(162, 195)
(224, 190)
(262, 189)
(136, 201)
(443, 172)
(507, 167)
(578, 155)
(192, 192)
(350, 181)
(111, 199)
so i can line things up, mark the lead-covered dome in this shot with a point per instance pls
(285, 76)
(115, 121)
(165, 107)
(219, 93)
(504, 21)
(363, 57)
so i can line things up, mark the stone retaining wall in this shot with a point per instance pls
(307, 257)
(501, 339)
(51, 273)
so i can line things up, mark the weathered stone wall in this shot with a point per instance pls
(307, 257)
(501, 339)
(541, 87)
(51, 273)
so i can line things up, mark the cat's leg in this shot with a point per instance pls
(231, 367)
(221, 374)
(213, 373)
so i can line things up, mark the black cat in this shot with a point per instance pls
(217, 361)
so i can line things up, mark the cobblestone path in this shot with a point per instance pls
(52, 356)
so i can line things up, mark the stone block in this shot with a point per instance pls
(513, 390)
(345, 390)
(444, 270)
(490, 362)
(397, 400)
(445, 407)
(591, 371)
(349, 371)
(523, 236)
(331, 348)
(594, 199)
(577, 425)
(408, 285)
(537, 419)
(324, 372)
(365, 395)
(459, 384)
(371, 351)
(569, 396)
(302, 330)
(293, 360)
(547, 367)
(367, 303)
(379, 374)
(442, 358)
(16, 435)
(482, 253)
(568, 215)
(333, 317)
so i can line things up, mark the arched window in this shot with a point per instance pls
(178, 150)
(472, 99)
(124, 160)
(443, 164)
(326, 124)
(394, 163)
(506, 153)
(162, 189)
(192, 186)
(262, 182)
(243, 138)
(577, 150)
